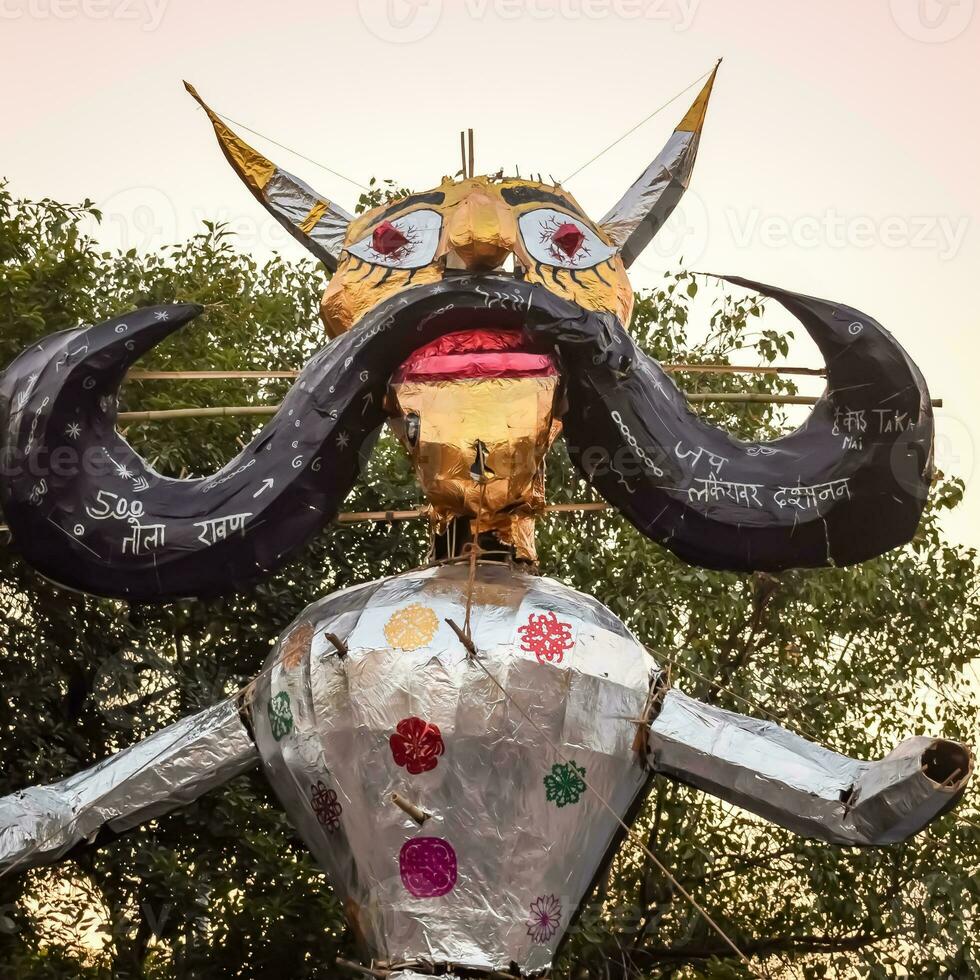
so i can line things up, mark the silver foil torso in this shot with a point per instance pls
(513, 839)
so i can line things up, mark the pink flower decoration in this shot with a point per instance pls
(417, 745)
(545, 918)
(547, 637)
(428, 867)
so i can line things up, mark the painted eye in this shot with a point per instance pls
(559, 239)
(407, 242)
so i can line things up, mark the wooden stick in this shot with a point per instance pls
(700, 398)
(415, 812)
(951, 780)
(472, 163)
(364, 516)
(227, 411)
(363, 971)
(338, 644)
(378, 515)
(139, 375)
(743, 369)
(208, 375)
(463, 638)
(571, 508)
(750, 398)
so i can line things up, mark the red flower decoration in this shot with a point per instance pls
(547, 637)
(326, 806)
(387, 239)
(568, 238)
(417, 745)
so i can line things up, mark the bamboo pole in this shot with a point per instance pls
(156, 415)
(141, 375)
(361, 516)
(702, 398)
(366, 516)
(208, 375)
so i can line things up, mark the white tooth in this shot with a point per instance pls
(507, 265)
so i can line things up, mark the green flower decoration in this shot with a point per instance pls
(280, 716)
(564, 784)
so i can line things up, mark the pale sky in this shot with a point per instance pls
(839, 156)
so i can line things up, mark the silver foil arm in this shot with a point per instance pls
(167, 770)
(802, 786)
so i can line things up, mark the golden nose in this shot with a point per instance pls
(482, 231)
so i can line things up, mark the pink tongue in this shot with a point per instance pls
(478, 365)
(474, 354)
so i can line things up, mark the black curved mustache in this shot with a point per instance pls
(106, 523)
(88, 512)
(849, 484)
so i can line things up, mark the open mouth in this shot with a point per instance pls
(476, 353)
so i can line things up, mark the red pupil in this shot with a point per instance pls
(568, 238)
(387, 239)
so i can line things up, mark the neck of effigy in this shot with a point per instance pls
(456, 538)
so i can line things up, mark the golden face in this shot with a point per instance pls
(476, 225)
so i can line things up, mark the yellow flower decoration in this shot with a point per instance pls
(296, 646)
(411, 627)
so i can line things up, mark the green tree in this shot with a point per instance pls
(856, 658)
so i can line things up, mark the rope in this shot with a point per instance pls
(288, 149)
(629, 132)
(475, 551)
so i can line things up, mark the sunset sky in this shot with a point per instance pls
(839, 157)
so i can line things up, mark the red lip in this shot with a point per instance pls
(475, 354)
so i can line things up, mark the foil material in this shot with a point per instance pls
(478, 447)
(167, 770)
(804, 787)
(313, 220)
(513, 839)
(641, 212)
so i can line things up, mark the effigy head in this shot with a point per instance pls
(475, 318)
(445, 407)
(476, 410)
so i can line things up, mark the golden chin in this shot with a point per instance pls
(478, 447)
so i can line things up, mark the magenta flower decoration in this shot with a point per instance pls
(545, 918)
(428, 867)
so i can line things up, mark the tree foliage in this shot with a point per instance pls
(856, 658)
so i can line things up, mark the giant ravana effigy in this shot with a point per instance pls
(461, 747)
